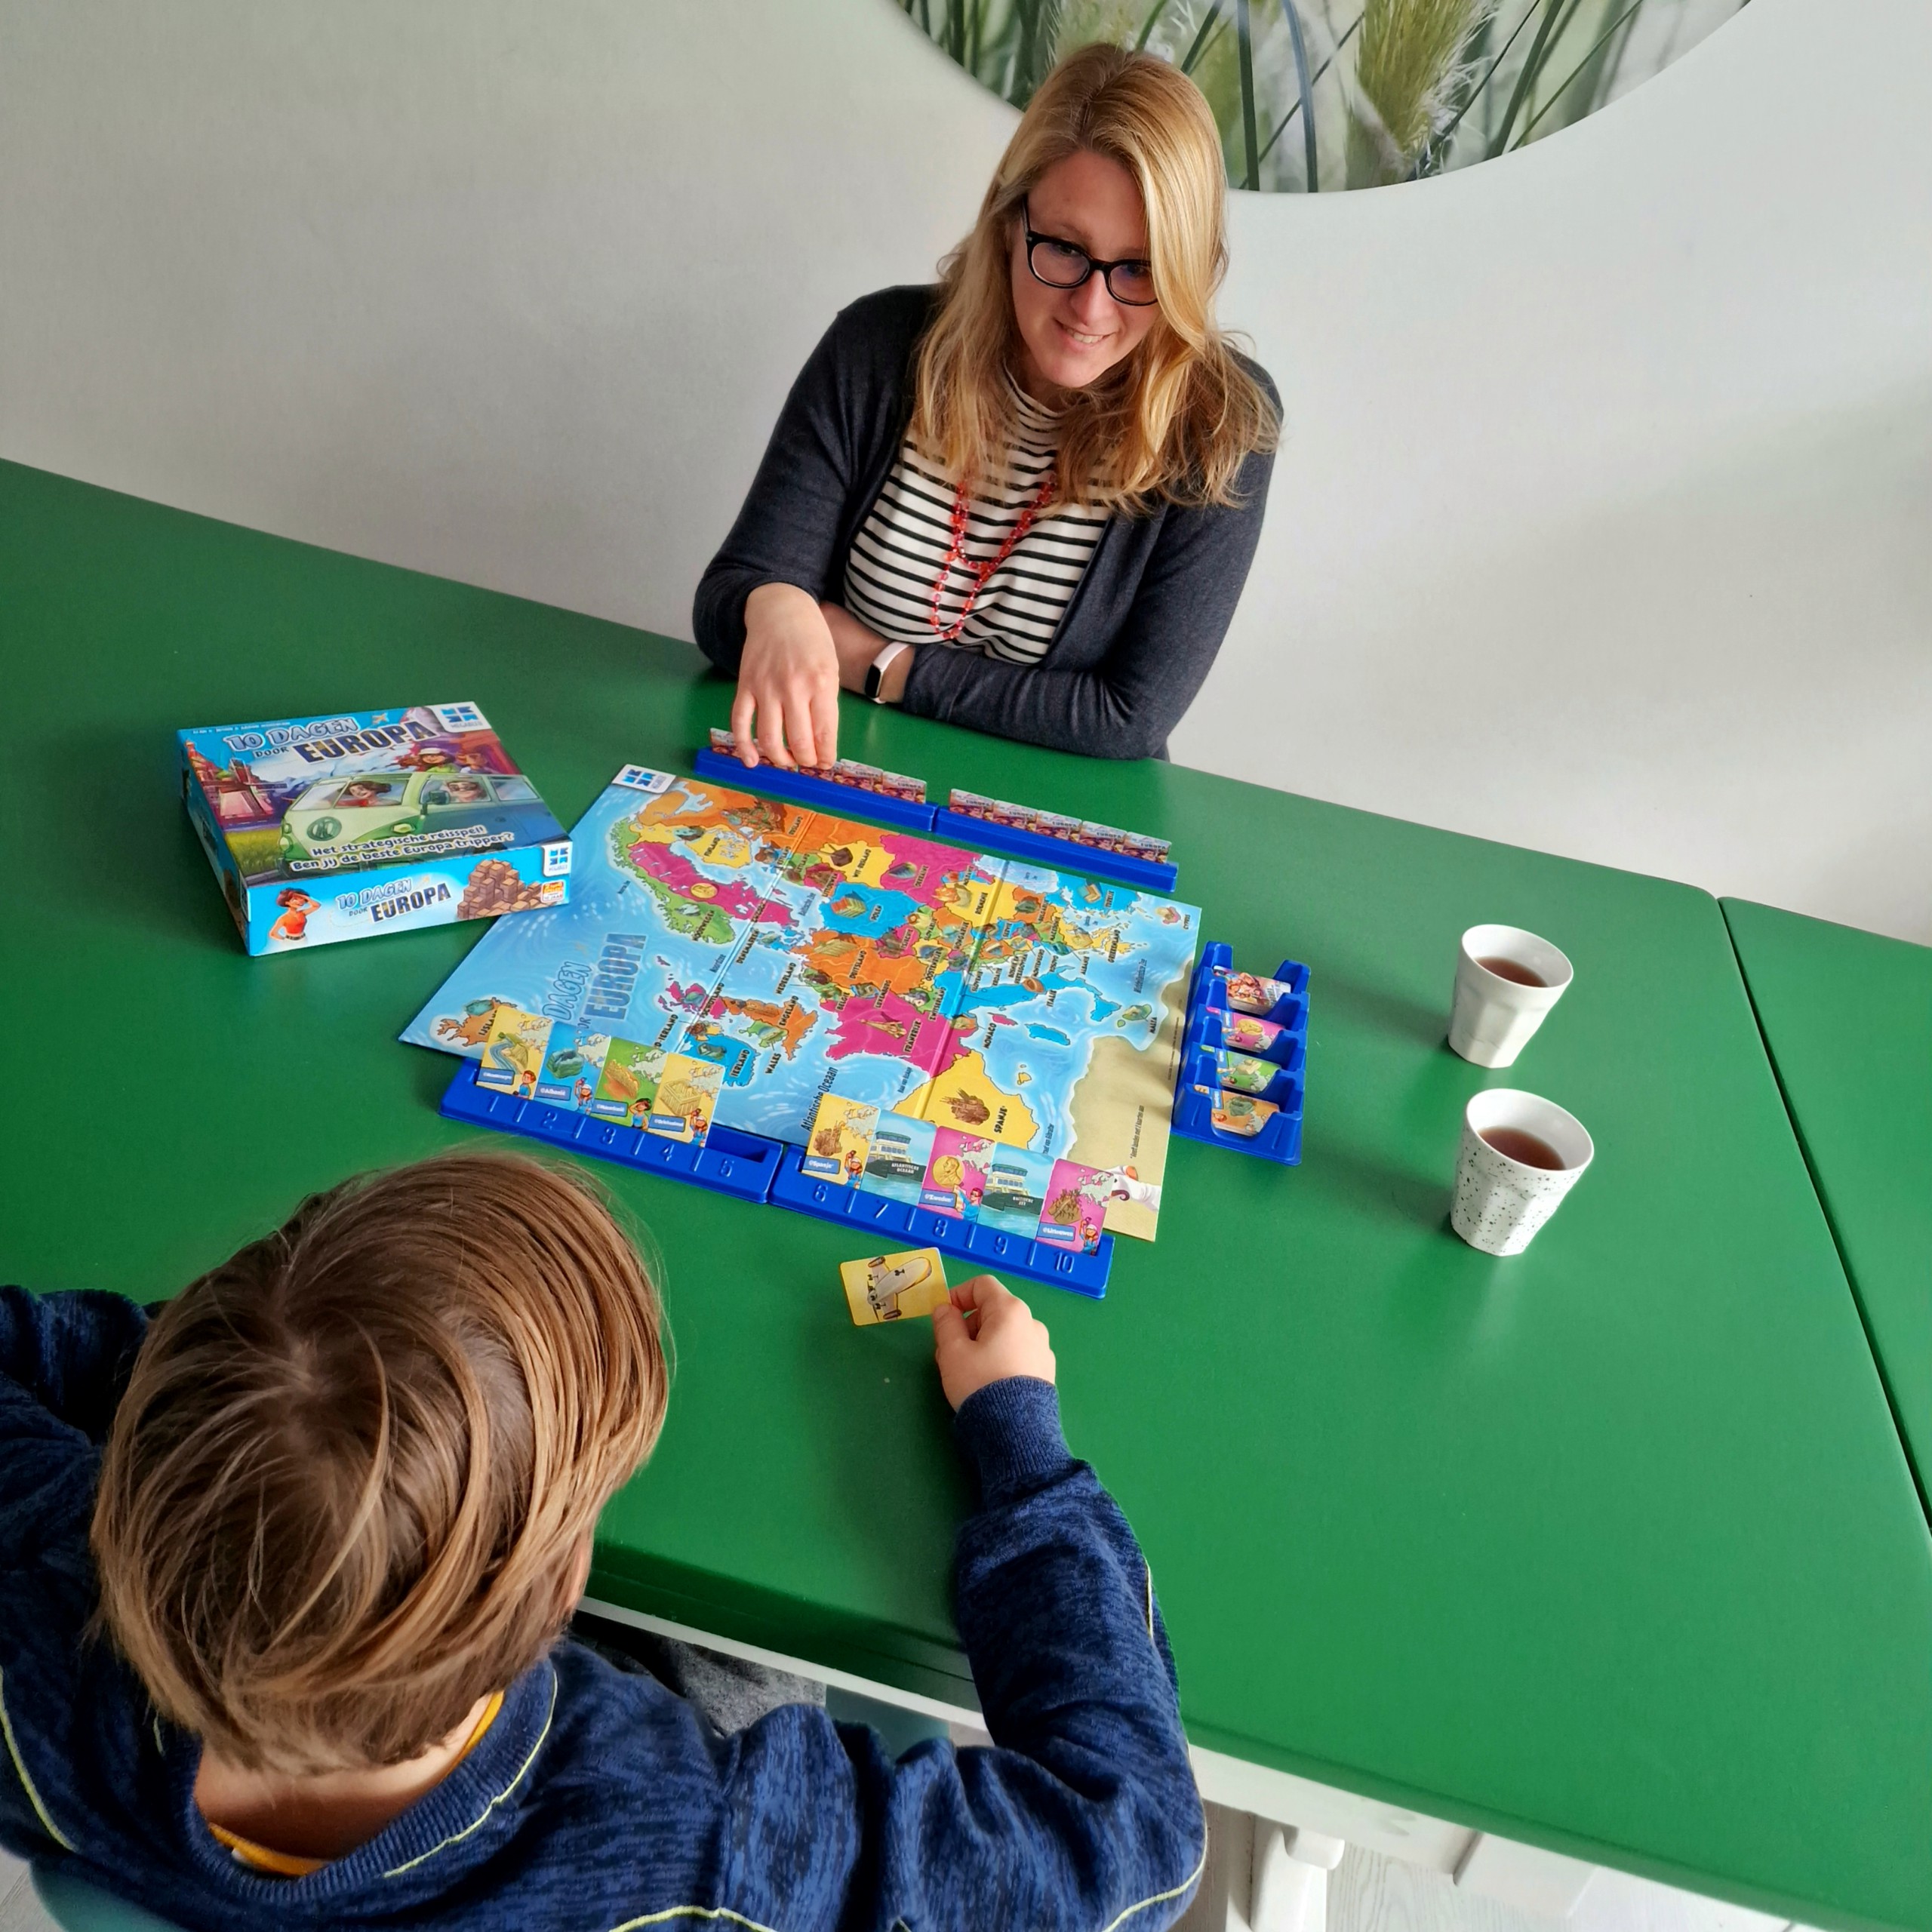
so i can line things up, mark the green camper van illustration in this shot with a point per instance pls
(334, 815)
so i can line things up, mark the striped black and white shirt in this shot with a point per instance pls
(902, 547)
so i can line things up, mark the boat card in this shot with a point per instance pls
(896, 1162)
(1016, 1192)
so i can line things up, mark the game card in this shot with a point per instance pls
(1242, 1073)
(512, 1052)
(1246, 1035)
(1055, 825)
(686, 1097)
(1248, 992)
(840, 1139)
(896, 1162)
(892, 1287)
(1076, 1209)
(1016, 1190)
(968, 804)
(626, 1083)
(955, 1181)
(1240, 1113)
(573, 1059)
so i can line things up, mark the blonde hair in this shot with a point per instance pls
(1172, 420)
(344, 1495)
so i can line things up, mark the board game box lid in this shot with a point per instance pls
(299, 798)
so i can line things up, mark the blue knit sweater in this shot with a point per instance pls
(598, 1800)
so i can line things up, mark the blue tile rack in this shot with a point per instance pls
(904, 1224)
(847, 801)
(728, 1162)
(976, 834)
(1280, 1139)
(750, 1167)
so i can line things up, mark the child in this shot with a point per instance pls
(323, 1519)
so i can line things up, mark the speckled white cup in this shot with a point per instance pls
(1500, 1202)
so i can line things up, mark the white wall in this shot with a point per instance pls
(1601, 525)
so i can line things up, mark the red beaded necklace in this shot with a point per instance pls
(980, 571)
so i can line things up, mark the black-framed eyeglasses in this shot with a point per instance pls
(1062, 264)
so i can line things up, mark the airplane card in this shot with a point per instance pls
(894, 1287)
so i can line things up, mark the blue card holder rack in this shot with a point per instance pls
(1280, 1138)
(976, 834)
(749, 1167)
(1035, 848)
(743, 1165)
(847, 801)
(889, 1224)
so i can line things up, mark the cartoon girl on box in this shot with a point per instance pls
(297, 905)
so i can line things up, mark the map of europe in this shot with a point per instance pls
(798, 951)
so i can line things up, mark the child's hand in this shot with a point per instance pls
(984, 1334)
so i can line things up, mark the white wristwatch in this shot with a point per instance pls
(875, 670)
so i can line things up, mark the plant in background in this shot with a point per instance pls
(1322, 94)
(1412, 67)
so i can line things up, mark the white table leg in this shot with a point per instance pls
(1290, 1888)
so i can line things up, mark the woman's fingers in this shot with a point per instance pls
(799, 736)
(743, 708)
(825, 721)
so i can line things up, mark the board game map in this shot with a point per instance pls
(793, 949)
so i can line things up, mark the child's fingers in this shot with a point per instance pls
(981, 1293)
(948, 1331)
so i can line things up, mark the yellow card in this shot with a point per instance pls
(889, 1287)
(686, 1094)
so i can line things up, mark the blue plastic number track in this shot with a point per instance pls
(888, 1224)
(753, 1168)
(728, 1162)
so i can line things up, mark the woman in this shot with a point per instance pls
(1026, 501)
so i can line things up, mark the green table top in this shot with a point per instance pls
(1847, 1017)
(1611, 1547)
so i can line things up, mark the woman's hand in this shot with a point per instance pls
(787, 705)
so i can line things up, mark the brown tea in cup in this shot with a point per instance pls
(1516, 1143)
(1511, 970)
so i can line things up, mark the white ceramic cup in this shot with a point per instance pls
(1493, 1016)
(1501, 1202)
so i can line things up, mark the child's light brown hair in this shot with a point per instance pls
(344, 1495)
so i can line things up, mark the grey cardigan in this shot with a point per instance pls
(1142, 627)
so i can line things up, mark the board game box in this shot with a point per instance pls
(728, 958)
(333, 828)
